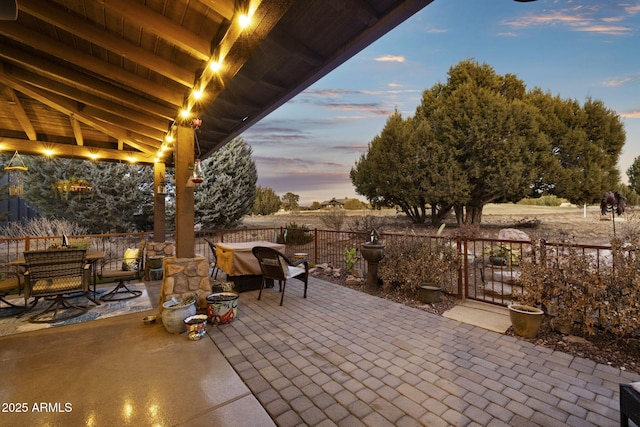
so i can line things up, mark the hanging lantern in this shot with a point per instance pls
(162, 188)
(75, 186)
(197, 177)
(16, 169)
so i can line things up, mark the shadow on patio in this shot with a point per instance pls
(339, 357)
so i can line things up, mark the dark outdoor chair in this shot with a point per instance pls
(56, 275)
(129, 267)
(276, 266)
(214, 258)
(10, 283)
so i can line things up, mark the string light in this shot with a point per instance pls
(214, 65)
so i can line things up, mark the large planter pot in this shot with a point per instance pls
(175, 311)
(223, 307)
(429, 294)
(525, 319)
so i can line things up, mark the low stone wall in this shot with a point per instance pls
(184, 277)
(165, 249)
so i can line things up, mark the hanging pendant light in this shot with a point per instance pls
(16, 169)
(197, 177)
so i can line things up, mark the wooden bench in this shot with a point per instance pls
(54, 275)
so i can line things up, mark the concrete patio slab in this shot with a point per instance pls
(487, 316)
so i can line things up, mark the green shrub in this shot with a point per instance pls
(297, 234)
(549, 200)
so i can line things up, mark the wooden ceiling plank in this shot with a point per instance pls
(86, 98)
(58, 17)
(65, 106)
(77, 131)
(161, 26)
(234, 59)
(37, 148)
(301, 51)
(18, 111)
(84, 82)
(27, 37)
(224, 8)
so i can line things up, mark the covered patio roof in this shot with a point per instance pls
(108, 79)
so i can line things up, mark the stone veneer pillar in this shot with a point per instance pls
(184, 277)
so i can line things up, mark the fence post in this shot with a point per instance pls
(315, 246)
(27, 243)
(461, 267)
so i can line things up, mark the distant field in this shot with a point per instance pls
(557, 222)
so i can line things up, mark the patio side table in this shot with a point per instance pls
(629, 405)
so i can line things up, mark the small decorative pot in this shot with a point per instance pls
(525, 319)
(429, 294)
(196, 326)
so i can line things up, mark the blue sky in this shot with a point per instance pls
(575, 49)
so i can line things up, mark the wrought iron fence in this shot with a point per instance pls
(484, 269)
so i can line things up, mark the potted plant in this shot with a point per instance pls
(417, 268)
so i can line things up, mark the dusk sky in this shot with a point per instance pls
(574, 49)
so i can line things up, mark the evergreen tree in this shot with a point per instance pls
(586, 144)
(267, 202)
(481, 138)
(289, 201)
(388, 174)
(121, 196)
(229, 187)
(633, 173)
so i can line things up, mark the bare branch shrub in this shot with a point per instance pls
(334, 219)
(411, 261)
(367, 222)
(42, 227)
(593, 292)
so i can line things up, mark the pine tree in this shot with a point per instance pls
(229, 187)
(121, 199)
(266, 202)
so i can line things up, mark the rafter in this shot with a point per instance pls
(86, 98)
(16, 107)
(161, 26)
(89, 116)
(33, 39)
(67, 150)
(77, 131)
(58, 17)
(84, 82)
(222, 8)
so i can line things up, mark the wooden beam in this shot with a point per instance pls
(59, 17)
(86, 83)
(77, 131)
(35, 40)
(224, 8)
(95, 101)
(37, 148)
(161, 26)
(87, 115)
(16, 107)
(238, 43)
